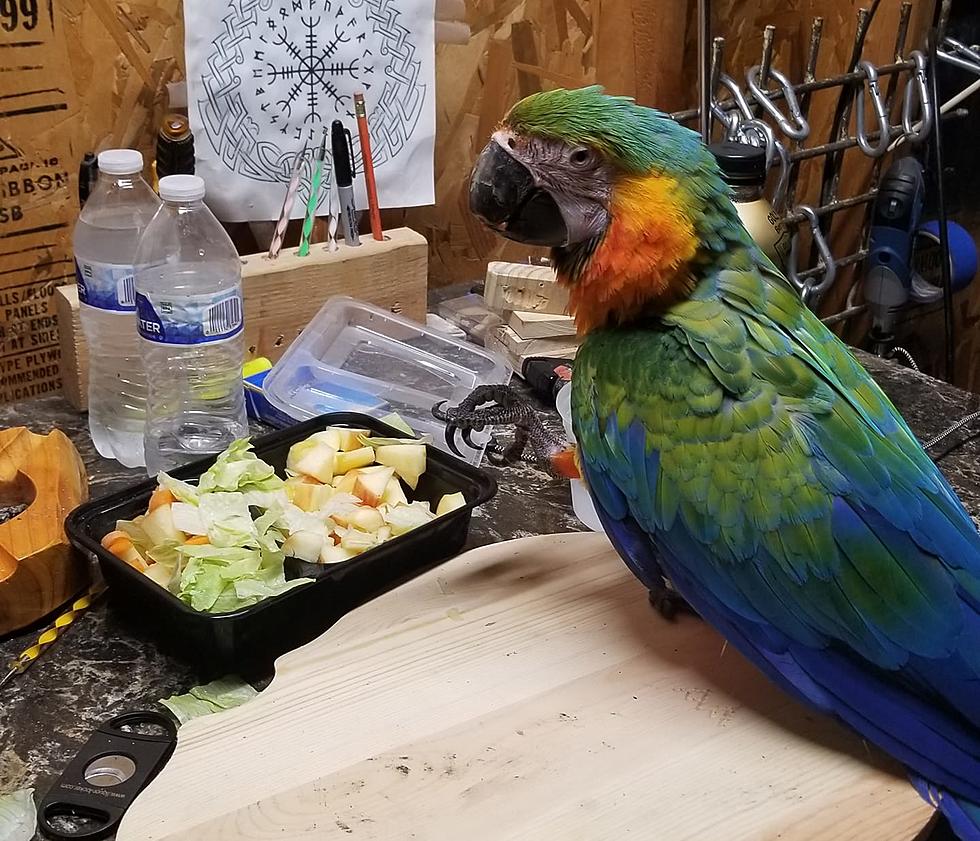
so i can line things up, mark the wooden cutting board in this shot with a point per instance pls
(524, 690)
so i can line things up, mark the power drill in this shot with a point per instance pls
(888, 266)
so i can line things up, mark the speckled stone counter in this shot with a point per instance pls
(102, 667)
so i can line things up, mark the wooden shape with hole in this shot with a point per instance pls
(39, 571)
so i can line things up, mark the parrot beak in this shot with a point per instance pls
(504, 196)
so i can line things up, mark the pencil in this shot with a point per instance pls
(367, 164)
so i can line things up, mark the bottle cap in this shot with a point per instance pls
(741, 165)
(175, 127)
(120, 161)
(181, 188)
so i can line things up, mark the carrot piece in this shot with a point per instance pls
(198, 540)
(161, 496)
(112, 537)
(120, 548)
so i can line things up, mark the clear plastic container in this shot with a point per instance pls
(354, 357)
(190, 315)
(108, 230)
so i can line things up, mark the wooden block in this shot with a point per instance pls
(505, 341)
(522, 691)
(541, 325)
(517, 286)
(74, 348)
(283, 295)
(39, 571)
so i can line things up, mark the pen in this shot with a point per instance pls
(343, 167)
(367, 164)
(304, 243)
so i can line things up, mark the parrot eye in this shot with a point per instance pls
(581, 156)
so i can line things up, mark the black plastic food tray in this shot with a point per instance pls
(247, 641)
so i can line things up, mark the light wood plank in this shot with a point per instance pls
(522, 691)
(281, 296)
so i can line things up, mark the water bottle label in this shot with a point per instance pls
(107, 286)
(189, 319)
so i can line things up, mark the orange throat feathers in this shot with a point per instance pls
(641, 262)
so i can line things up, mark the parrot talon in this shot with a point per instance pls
(667, 603)
(439, 412)
(495, 405)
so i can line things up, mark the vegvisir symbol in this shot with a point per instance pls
(311, 69)
(294, 73)
(280, 70)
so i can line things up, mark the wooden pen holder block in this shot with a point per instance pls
(38, 569)
(283, 295)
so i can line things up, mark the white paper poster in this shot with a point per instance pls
(265, 76)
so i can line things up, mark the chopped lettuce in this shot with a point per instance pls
(183, 491)
(18, 815)
(227, 519)
(239, 469)
(387, 442)
(219, 695)
(221, 579)
(398, 422)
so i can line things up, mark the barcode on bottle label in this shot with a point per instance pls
(189, 319)
(106, 286)
(126, 291)
(223, 317)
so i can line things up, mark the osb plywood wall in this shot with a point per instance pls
(630, 46)
(90, 74)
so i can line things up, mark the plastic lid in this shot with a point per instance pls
(182, 188)
(741, 164)
(120, 161)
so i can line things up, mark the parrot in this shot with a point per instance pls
(736, 451)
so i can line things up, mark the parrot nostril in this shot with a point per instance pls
(511, 143)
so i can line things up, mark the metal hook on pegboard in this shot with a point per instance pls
(813, 286)
(881, 115)
(783, 131)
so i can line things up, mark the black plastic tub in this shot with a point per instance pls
(247, 641)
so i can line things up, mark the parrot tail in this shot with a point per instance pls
(963, 816)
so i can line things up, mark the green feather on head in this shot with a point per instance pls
(635, 138)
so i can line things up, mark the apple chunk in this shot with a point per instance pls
(304, 545)
(307, 496)
(394, 495)
(407, 459)
(313, 458)
(347, 461)
(370, 486)
(159, 526)
(332, 554)
(366, 519)
(350, 439)
(330, 436)
(450, 502)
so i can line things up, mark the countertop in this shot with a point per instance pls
(102, 667)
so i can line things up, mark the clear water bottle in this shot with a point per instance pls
(189, 312)
(106, 235)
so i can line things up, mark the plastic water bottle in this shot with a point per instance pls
(106, 235)
(189, 313)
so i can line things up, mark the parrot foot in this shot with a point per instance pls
(497, 405)
(668, 602)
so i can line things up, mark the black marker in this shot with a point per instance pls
(343, 156)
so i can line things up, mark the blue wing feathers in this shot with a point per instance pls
(861, 597)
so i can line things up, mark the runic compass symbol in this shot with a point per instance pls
(279, 71)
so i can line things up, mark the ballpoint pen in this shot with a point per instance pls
(343, 166)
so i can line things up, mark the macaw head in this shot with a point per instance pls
(612, 187)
